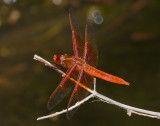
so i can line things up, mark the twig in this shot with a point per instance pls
(64, 111)
(94, 93)
(36, 57)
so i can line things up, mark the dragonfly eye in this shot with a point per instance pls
(54, 58)
(57, 59)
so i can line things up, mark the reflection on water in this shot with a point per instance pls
(128, 43)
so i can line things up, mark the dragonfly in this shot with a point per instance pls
(81, 67)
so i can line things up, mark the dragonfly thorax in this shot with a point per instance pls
(63, 60)
(68, 61)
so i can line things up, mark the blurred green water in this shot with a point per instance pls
(128, 44)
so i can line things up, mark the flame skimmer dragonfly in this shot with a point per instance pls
(81, 67)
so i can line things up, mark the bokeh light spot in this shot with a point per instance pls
(57, 2)
(98, 19)
(9, 1)
(95, 16)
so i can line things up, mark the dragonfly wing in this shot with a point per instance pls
(90, 54)
(79, 93)
(78, 44)
(63, 89)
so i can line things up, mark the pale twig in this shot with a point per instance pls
(94, 93)
(64, 111)
(36, 57)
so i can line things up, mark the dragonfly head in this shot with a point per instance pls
(58, 59)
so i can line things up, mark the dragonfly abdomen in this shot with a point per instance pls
(105, 76)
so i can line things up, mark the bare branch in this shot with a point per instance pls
(64, 111)
(36, 57)
(94, 93)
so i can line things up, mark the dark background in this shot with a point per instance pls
(129, 47)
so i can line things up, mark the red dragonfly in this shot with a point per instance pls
(81, 67)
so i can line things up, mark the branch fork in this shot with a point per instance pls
(93, 94)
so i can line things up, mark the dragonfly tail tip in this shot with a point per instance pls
(126, 83)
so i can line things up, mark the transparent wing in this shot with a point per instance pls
(90, 54)
(78, 44)
(63, 89)
(80, 93)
